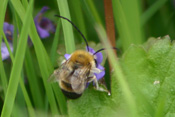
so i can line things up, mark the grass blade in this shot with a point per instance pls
(43, 59)
(122, 26)
(67, 27)
(3, 7)
(128, 22)
(132, 14)
(33, 81)
(94, 12)
(118, 73)
(151, 11)
(59, 96)
(78, 16)
(17, 67)
(23, 89)
(55, 43)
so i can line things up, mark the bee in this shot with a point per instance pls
(75, 73)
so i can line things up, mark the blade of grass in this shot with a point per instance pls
(67, 27)
(132, 14)
(19, 97)
(15, 38)
(3, 7)
(43, 59)
(69, 44)
(23, 89)
(59, 96)
(118, 73)
(27, 99)
(55, 43)
(151, 11)
(17, 67)
(17, 28)
(44, 64)
(29, 105)
(18, 111)
(33, 82)
(88, 12)
(94, 12)
(122, 26)
(78, 16)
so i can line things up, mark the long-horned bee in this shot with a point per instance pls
(77, 71)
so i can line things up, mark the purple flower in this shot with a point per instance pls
(99, 59)
(8, 30)
(43, 25)
(4, 51)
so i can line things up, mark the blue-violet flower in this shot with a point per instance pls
(43, 25)
(8, 30)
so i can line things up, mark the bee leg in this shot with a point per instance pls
(94, 79)
(96, 83)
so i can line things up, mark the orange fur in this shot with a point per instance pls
(82, 57)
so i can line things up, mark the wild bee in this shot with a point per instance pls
(76, 72)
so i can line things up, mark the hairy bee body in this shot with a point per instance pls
(74, 73)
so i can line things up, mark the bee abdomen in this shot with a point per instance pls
(68, 91)
(71, 95)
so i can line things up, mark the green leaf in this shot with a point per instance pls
(150, 72)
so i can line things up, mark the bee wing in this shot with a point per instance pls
(55, 76)
(62, 72)
(78, 79)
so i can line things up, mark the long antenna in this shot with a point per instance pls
(76, 29)
(105, 49)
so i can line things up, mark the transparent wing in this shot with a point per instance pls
(60, 73)
(54, 77)
(78, 79)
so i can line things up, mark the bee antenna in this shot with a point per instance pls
(76, 29)
(105, 49)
